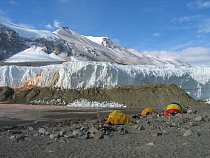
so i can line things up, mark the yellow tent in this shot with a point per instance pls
(117, 117)
(147, 111)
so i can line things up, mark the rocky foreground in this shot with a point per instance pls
(182, 135)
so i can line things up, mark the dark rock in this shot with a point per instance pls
(9, 127)
(32, 94)
(6, 93)
(10, 42)
(164, 132)
(156, 133)
(16, 131)
(142, 127)
(84, 136)
(18, 138)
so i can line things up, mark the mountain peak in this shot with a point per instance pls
(70, 44)
(103, 41)
(108, 43)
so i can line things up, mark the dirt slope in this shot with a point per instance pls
(141, 95)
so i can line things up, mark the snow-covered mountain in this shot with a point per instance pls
(72, 46)
(15, 39)
(78, 75)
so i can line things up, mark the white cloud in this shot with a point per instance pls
(163, 53)
(57, 23)
(187, 19)
(49, 26)
(187, 22)
(196, 55)
(192, 55)
(200, 23)
(6, 20)
(182, 45)
(156, 34)
(199, 4)
(204, 27)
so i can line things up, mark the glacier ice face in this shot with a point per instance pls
(76, 75)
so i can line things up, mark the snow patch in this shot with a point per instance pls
(31, 33)
(83, 103)
(208, 101)
(33, 54)
(97, 40)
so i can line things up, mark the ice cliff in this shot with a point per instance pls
(76, 75)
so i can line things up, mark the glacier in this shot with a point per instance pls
(77, 75)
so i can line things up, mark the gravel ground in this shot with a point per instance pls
(77, 133)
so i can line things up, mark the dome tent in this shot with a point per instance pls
(173, 108)
(117, 117)
(147, 111)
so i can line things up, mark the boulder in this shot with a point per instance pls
(42, 131)
(188, 133)
(98, 135)
(93, 130)
(199, 118)
(6, 93)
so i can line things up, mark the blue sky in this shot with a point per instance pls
(152, 26)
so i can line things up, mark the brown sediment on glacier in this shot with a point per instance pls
(29, 84)
(37, 82)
